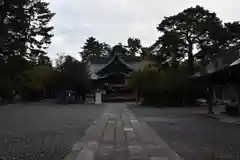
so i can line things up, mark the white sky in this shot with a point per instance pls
(113, 21)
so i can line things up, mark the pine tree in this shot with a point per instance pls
(24, 28)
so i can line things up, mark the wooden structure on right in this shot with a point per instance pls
(222, 75)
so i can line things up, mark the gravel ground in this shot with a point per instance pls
(192, 135)
(43, 131)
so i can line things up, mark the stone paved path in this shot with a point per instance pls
(119, 135)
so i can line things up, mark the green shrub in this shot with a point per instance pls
(166, 87)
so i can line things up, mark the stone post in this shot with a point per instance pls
(98, 97)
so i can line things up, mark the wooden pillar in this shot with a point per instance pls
(214, 93)
(209, 99)
(238, 94)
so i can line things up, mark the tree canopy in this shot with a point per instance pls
(93, 47)
(24, 37)
(195, 30)
(171, 47)
(193, 27)
(134, 46)
(25, 28)
(72, 75)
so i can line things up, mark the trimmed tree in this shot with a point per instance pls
(193, 27)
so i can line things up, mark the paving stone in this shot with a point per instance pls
(105, 152)
(135, 149)
(121, 150)
(144, 135)
(150, 139)
(86, 154)
(128, 128)
(158, 158)
(120, 135)
(72, 156)
(157, 152)
(105, 149)
(122, 155)
(125, 121)
(78, 146)
(109, 132)
(96, 131)
(90, 142)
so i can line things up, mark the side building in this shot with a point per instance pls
(222, 74)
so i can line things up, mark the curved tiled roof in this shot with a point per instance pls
(222, 60)
(106, 59)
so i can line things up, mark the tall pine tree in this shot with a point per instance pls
(93, 47)
(25, 28)
(24, 36)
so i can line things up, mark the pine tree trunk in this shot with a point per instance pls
(174, 60)
(190, 60)
(238, 96)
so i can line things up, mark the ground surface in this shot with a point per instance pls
(42, 131)
(193, 136)
(119, 135)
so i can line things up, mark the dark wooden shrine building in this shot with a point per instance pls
(110, 74)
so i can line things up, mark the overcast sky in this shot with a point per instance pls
(113, 21)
